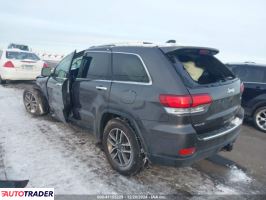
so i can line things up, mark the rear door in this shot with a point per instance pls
(91, 89)
(58, 88)
(255, 84)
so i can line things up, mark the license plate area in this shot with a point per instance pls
(27, 67)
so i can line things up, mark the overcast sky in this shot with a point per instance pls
(236, 27)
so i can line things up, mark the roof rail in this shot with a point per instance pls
(125, 44)
(250, 62)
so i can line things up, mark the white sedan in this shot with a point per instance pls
(19, 65)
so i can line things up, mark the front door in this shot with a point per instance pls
(58, 89)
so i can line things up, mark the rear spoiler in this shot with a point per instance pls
(180, 49)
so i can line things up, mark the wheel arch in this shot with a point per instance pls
(111, 114)
(257, 106)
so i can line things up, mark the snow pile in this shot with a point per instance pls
(52, 154)
(237, 175)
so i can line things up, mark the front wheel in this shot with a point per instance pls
(34, 102)
(259, 118)
(122, 148)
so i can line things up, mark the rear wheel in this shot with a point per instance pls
(259, 118)
(34, 102)
(122, 148)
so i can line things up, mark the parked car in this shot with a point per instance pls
(19, 65)
(19, 46)
(169, 105)
(254, 96)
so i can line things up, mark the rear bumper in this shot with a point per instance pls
(14, 74)
(165, 143)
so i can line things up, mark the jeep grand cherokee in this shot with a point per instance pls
(170, 105)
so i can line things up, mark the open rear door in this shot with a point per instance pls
(58, 88)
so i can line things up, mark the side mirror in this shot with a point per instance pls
(46, 71)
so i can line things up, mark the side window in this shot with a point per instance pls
(96, 65)
(249, 73)
(128, 67)
(62, 68)
(241, 72)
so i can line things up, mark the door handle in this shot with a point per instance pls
(101, 88)
(58, 84)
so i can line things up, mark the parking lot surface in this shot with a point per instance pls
(49, 153)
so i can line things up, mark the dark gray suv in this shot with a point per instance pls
(168, 105)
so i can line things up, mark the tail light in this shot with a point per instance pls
(182, 104)
(187, 151)
(45, 65)
(9, 64)
(242, 87)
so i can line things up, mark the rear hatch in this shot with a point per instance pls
(202, 73)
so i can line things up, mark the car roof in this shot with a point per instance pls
(247, 63)
(166, 48)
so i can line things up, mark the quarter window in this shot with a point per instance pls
(128, 67)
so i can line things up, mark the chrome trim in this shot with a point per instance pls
(182, 111)
(255, 82)
(101, 88)
(93, 51)
(236, 122)
(124, 82)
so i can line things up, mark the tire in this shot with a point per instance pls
(259, 118)
(117, 149)
(35, 103)
(2, 81)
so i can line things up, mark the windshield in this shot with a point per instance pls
(21, 55)
(204, 69)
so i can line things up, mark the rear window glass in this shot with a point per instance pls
(204, 69)
(128, 67)
(21, 55)
(249, 73)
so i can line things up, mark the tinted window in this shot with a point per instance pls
(250, 73)
(96, 66)
(128, 67)
(21, 55)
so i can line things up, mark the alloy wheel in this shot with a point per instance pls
(261, 119)
(119, 147)
(30, 102)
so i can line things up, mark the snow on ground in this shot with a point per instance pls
(237, 175)
(52, 154)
